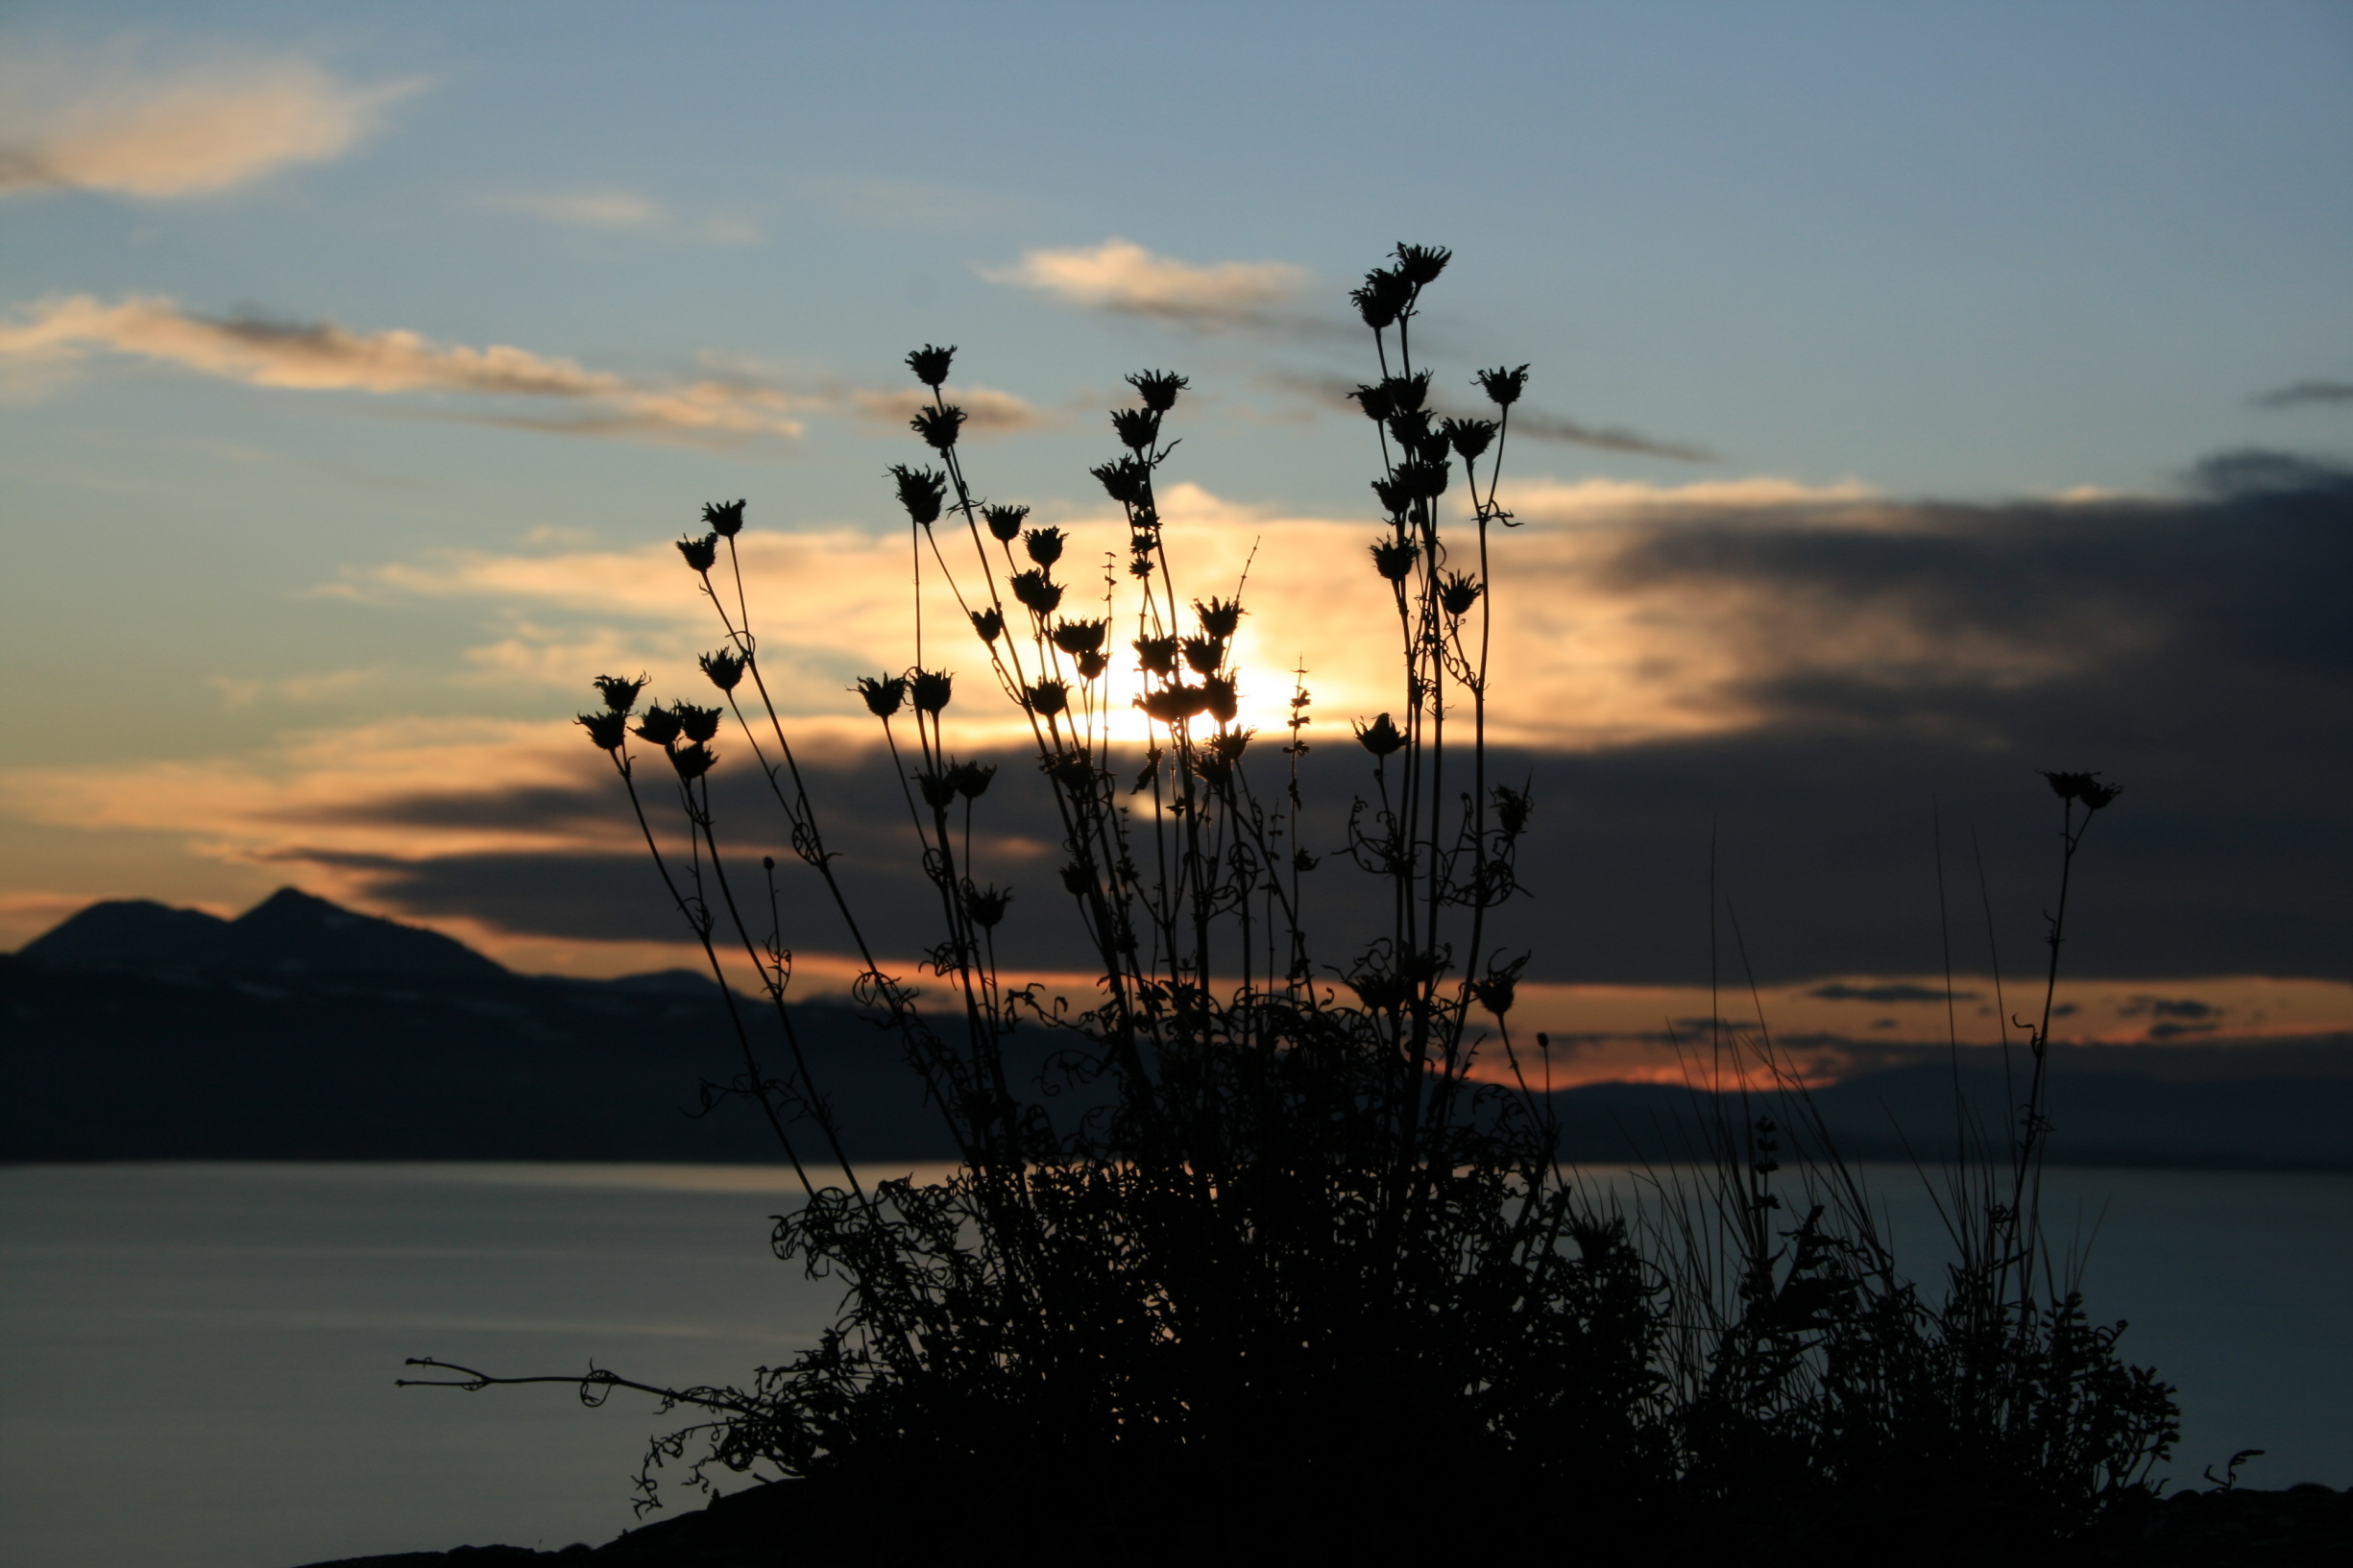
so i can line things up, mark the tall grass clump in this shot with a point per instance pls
(1260, 1261)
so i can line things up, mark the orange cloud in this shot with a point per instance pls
(325, 357)
(1122, 276)
(87, 122)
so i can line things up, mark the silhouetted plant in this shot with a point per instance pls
(1294, 1248)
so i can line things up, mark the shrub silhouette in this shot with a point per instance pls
(1296, 1277)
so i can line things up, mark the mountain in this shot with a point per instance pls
(289, 933)
(304, 1030)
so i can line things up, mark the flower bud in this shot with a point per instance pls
(931, 364)
(658, 727)
(1034, 590)
(1158, 388)
(1044, 544)
(620, 691)
(700, 724)
(937, 427)
(1004, 521)
(931, 689)
(1380, 737)
(920, 491)
(724, 666)
(1502, 386)
(1137, 428)
(884, 694)
(1420, 264)
(1078, 637)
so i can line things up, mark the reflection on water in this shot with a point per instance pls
(196, 1361)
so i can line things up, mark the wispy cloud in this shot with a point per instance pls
(84, 122)
(2301, 392)
(322, 357)
(909, 207)
(624, 211)
(1333, 393)
(1122, 277)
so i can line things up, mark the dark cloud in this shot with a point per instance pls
(1605, 437)
(1884, 994)
(2301, 392)
(2197, 650)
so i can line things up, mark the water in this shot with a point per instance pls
(196, 1361)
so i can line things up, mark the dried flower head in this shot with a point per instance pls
(620, 691)
(1220, 698)
(1077, 878)
(971, 779)
(984, 906)
(2069, 786)
(1174, 703)
(1204, 654)
(1407, 393)
(1218, 617)
(988, 623)
(937, 789)
(1457, 592)
(920, 491)
(885, 694)
(1124, 481)
(1380, 737)
(1037, 591)
(1410, 427)
(1231, 745)
(702, 554)
(1396, 496)
(1374, 402)
(694, 762)
(1156, 654)
(1469, 437)
(607, 729)
(1092, 664)
(938, 425)
(1497, 992)
(724, 666)
(931, 689)
(1502, 386)
(1512, 808)
(1394, 558)
(1426, 480)
(700, 724)
(1044, 545)
(1076, 637)
(931, 364)
(1382, 297)
(1137, 428)
(658, 727)
(1047, 697)
(2094, 796)
(1004, 521)
(1435, 448)
(1158, 388)
(724, 518)
(1420, 264)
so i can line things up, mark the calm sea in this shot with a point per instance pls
(196, 1361)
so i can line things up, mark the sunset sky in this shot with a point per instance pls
(1921, 395)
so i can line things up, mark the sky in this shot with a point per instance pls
(1921, 395)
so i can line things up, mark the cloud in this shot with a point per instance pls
(1123, 277)
(322, 357)
(624, 212)
(101, 123)
(1885, 995)
(2300, 393)
(1606, 439)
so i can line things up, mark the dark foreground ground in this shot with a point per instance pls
(774, 1525)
